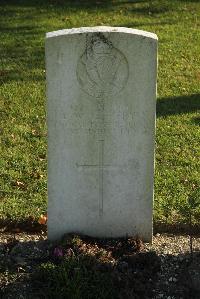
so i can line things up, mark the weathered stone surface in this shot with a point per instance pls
(101, 88)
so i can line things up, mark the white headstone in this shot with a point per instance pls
(101, 88)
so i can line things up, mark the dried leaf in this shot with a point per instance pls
(42, 219)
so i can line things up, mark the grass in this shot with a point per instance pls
(23, 176)
(83, 282)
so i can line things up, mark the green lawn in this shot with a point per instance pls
(23, 175)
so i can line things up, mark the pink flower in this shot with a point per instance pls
(58, 252)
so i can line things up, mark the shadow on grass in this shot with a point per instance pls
(176, 228)
(148, 7)
(70, 3)
(78, 4)
(196, 120)
(18, 75)
(22, 58)
(137, 24)
(154, 6)
(178, 105)
(197, 1)
(28, 225)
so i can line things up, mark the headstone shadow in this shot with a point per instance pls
(134, 274)
(178, 105)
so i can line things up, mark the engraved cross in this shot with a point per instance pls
(102, 71)
(100, 165)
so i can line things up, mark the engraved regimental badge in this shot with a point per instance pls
(102, 69)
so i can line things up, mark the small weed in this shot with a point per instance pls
(75, 278)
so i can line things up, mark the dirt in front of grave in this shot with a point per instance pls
(135, 271)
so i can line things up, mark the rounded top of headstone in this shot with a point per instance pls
(101, 29)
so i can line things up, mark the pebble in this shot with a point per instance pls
(172, 279)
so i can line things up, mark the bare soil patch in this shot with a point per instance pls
(163, 269)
